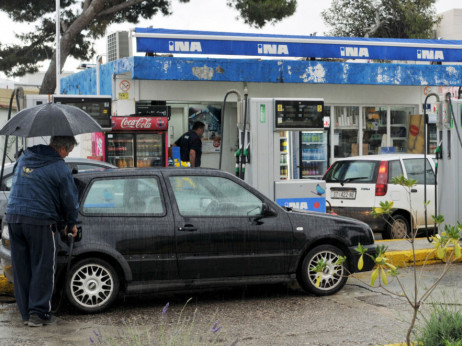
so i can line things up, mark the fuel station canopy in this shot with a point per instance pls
(156, 40)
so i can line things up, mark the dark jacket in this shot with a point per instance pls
(43, 188)
(190, 140)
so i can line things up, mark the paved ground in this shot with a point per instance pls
(260, 315)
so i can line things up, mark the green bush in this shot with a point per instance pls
(443, 327)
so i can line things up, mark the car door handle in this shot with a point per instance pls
(413, 190)
(187, 228)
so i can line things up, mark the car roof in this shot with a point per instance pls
(383, 157)
(89, 161)
(88, 175)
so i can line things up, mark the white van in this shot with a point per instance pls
(356, 184)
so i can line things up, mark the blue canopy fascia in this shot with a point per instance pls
(156, 40)
(261, 71)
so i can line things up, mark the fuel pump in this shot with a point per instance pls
(232, 91)
(426, 122)
(243, 138)
(450, 161)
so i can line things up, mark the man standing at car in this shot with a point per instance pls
(191, 145)
(43, 192)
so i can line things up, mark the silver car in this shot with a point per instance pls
(75, 164)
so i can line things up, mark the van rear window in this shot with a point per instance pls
(353, 171)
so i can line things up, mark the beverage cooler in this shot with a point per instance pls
(134, 142)
(313, 154)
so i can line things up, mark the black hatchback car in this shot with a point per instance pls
(165, 229)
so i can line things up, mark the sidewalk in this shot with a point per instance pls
(400, 252)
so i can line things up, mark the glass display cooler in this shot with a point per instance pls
(313, 154)
(134, 142)
(284, 162)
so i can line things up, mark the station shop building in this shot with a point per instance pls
(370, 105)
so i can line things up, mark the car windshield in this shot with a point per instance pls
(359, 171)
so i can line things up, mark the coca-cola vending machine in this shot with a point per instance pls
(135, 141)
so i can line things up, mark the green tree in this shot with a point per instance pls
(414, 19)
(82, 21)
(257, 13)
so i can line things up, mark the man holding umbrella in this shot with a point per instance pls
(43, 192)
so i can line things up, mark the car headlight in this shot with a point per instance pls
(5, 233)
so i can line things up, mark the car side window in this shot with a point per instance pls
(124, 196)
(415, 170)
(213, 196)
(395, 170)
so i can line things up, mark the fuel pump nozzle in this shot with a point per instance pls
(238, 160)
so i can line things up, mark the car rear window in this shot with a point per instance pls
(352, 171)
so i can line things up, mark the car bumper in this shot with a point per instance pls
(5, 261)
(377, 224)
(367, 258)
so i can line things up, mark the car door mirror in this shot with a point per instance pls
(266, 211)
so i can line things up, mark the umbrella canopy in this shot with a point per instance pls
(50, 119)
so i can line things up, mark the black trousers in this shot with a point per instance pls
(33, 253)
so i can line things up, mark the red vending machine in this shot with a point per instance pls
(135, 141)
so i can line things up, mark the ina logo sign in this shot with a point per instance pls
(354, 52)
(423, 54)
(273, 49)
(184, 46)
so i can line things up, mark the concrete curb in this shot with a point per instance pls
(405, 258)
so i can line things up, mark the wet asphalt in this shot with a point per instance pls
(257, 315)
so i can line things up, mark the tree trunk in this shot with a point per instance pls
(49, 80)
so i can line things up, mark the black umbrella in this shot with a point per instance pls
(50, 119)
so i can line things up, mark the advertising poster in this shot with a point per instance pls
(416, 142)
(210, 115)
(97, 140)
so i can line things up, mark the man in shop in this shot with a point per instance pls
(191, 145)
(43, 193)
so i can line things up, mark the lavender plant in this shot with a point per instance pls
(186, 331)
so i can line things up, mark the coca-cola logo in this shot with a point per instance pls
(139, 123)
(160, 123)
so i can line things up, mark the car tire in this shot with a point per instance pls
(92, 285)
(334, 276)
(398, 228)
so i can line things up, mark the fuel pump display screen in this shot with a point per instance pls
(98, 107)
(299, 114)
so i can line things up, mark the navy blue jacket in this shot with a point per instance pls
(43, 188)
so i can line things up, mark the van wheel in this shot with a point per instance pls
(334, 276)
(398, 229)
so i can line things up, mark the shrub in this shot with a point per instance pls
(443, 327)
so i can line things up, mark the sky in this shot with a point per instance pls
(214, 15)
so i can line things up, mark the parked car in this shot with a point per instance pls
(75, 164)
(356, 184)
(164, 229)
